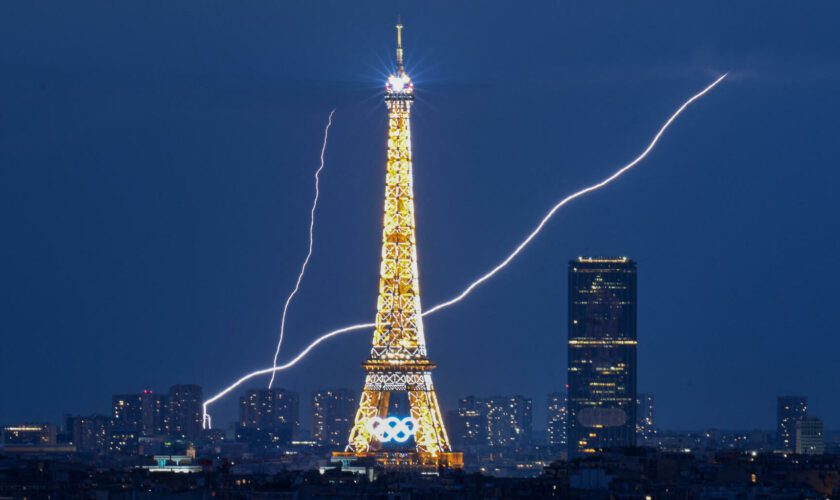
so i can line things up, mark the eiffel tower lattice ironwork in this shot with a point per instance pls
(398, 361)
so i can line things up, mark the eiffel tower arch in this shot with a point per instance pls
(398, 371)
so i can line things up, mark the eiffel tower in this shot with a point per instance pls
(398, 372)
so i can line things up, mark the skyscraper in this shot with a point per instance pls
(558, 421)
(602, 354)
(185, 412)
(332, 415)
(789, 409)
(645, 430)
(509, 421)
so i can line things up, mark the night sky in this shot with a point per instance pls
(156, 164)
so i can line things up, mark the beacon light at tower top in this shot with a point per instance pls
(399, 84)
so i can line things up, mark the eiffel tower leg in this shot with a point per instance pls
(372, 404)
(431, 435)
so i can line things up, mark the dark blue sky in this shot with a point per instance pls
(156, 161)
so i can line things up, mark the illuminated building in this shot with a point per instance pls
(789, 409)
(185, 411)
(809, 436)
(156, 413)
(124, 442)
(91, 433)
(602, 354)
(144, 414)
(558, 421)
(269, 416)
(398, 371)
(134, 416)
(127, 412)
(29, 435)
(645, 430)
(509, 421)
(332, 415)
(470, 421)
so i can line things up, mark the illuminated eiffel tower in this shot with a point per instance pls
(398, 368)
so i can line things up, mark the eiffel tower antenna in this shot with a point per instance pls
(400, 67)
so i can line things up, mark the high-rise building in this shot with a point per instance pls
(29, 435)
(645, 430)
(268, 418)
(185, 411)
(332, 415)
(90, 434)
(509, 421)
(809, 436)
(144, 414)
(276, 411)
(471, 423)
(558, 421)
(789, 409)
(602, 354)
(127, 412)
(156, 414)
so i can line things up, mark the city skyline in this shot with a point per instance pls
(271, 420)
(141, 269)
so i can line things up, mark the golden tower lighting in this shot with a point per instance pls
(398, 365)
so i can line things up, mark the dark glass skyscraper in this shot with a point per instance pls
(602, 354)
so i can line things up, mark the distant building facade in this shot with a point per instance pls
(28, 435)
(558, 421)
(809, 436)
(127, 412)
(789, 409)
(91, 433)
(645, 430)
(269, 417)
(602, 354)
(185, 411)
(470, 429)
(333, 414)
(143, 414)
(509, 421)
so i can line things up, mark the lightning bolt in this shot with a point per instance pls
(308, 253)
(533, 234)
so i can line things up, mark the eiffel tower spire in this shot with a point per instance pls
(400, 67)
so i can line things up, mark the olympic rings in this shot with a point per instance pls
(392, 428)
